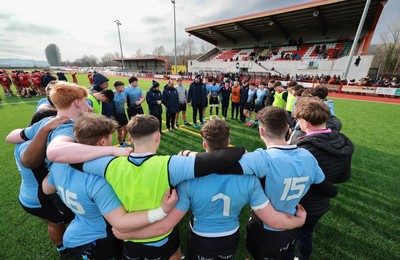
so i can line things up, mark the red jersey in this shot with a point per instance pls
(90, 77)
(37, 78)
(24, 80)
(75, 80)
(4, 80)
(15, 79)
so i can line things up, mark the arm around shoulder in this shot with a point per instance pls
(14, 137)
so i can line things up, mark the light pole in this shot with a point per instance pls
(173, 2)
(120, 44)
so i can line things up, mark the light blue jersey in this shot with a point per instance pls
(251, 94)
(61, 130)
(42, 101)
(288, 170)
(89, 197)
(208, 88)
(260, 96)
(28, 191)
(216, 202)
(133, 95)
(331, 106)
(119, 102)
(214, 89)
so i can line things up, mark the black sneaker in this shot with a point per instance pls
(186, 123)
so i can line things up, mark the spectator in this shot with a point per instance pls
(225, 90)
(197, 96)
(154, 101)
(182, 94)
(235, 99)
(357, 62)
(333, 152)
(171, 103)
(61, 76)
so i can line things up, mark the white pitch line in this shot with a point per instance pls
(21, 102)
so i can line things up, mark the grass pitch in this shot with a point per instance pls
(363, 222)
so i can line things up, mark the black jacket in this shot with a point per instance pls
(151, 98)
(170, 99)
(197, 95)
(333, 152)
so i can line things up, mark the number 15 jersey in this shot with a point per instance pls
(288, 171)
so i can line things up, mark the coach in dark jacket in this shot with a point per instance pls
(244, 94)
(197, 96)
(154, 100)
(171, 103)
(333, 152)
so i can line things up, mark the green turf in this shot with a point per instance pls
(364, 220)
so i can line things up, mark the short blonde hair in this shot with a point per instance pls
(89, 128)
(63, 94)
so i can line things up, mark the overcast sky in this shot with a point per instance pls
(87, 27)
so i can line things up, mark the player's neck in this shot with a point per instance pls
(145, 149)
(67, 113)
(275, 142)
(313, 128)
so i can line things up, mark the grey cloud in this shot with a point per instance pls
(152, 20)
(11, 22)
(32, 28)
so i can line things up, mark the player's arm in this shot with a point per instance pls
(63, 149)
(156, 229)
(126, 222)
(280, 220)
(35, 152)
(14, 137)
(182, 168)
(47, 187)
(141, 100)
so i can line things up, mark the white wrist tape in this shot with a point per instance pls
(156, 214)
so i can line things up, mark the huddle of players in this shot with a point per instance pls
(214, 199)
(27, 83)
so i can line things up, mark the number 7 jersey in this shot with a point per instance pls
(288, 171)
(216, 202)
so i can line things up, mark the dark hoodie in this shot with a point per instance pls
(98, 79)
(333, 152)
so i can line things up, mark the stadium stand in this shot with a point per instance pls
(266, 42)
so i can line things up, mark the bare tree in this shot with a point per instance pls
(86, 61)
(205, 47)
(159, 51)
(186, 50)
(391, 49)
(108, 59)
(139, 53)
